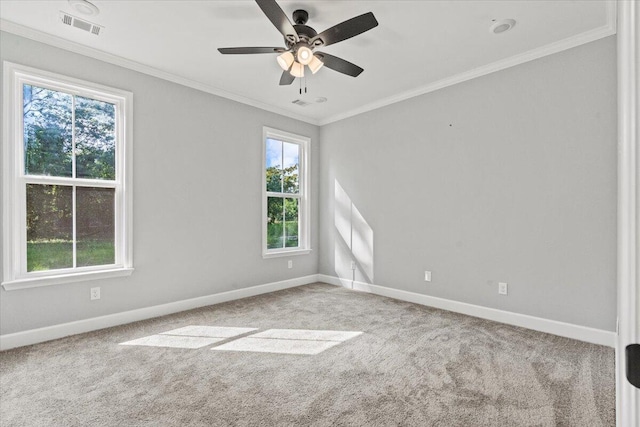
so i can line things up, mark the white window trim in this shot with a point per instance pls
(304, 226)
(13, 206)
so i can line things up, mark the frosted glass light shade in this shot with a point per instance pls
(304, 55)
(297, 70)
(315, 64)
(285, 60)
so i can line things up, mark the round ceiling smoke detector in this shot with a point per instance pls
(84, 7)
(502, 26)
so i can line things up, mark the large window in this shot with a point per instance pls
(285, 194)
(66, 191)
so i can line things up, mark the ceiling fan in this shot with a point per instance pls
(301, 41)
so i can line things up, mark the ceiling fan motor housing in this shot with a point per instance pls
(305, 33)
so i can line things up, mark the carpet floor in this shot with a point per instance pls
(315, 355)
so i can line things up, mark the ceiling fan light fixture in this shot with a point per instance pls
(304, 55)
(301, 40)
(315, 64)
(297, 70)
(285, 60)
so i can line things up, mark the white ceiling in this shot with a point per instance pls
(418, 46)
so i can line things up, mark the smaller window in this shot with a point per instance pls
(285, 205)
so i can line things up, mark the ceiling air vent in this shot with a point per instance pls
(87, 26)
(300, 102)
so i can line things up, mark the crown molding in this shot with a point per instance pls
(55, 41)
(579, 39)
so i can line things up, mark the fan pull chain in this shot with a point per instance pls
(305, 85)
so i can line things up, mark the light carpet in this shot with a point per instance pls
(411, 366)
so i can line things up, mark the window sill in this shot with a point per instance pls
(283, 253)
(35, 282)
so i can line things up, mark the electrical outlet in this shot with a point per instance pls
(502, 288)
(427, 276)
(290, 264)
(353, 265)
(95, 293)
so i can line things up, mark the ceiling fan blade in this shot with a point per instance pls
(286, 78)
(250, 50)
(278, 18)
(338, 64)
(347, 29)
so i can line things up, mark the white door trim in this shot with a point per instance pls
(627, 396)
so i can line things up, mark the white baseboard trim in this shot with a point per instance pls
(34, 336)
(568, 330)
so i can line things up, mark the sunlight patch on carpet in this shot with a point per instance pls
(262, 345)
(307, 334)
(279, 341)
(289, 341)
(192, 336)
(173, 341)
(209, 331)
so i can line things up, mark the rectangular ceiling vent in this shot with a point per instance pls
(300, 102)
(87, 26)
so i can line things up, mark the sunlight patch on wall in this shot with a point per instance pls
(362, 246)
(342, 217)
(353, 247)
(342, 263)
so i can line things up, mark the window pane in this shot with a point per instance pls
(291, 157)
(95, 226)
(291, 223)
(275, 223)
(95, 139)
(49, 227)
(47, 131)
(274, 165)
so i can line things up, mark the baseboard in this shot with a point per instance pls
(48, 333)
(568, 330)
(34, 336)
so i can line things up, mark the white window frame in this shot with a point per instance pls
(304, 236)
(14, 243)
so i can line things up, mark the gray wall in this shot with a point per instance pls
(508, 177)
(197, 197)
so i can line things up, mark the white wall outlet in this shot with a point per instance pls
(427, 276)
(502, 288)
(353, 265)
(95, 293)
(290, 264)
